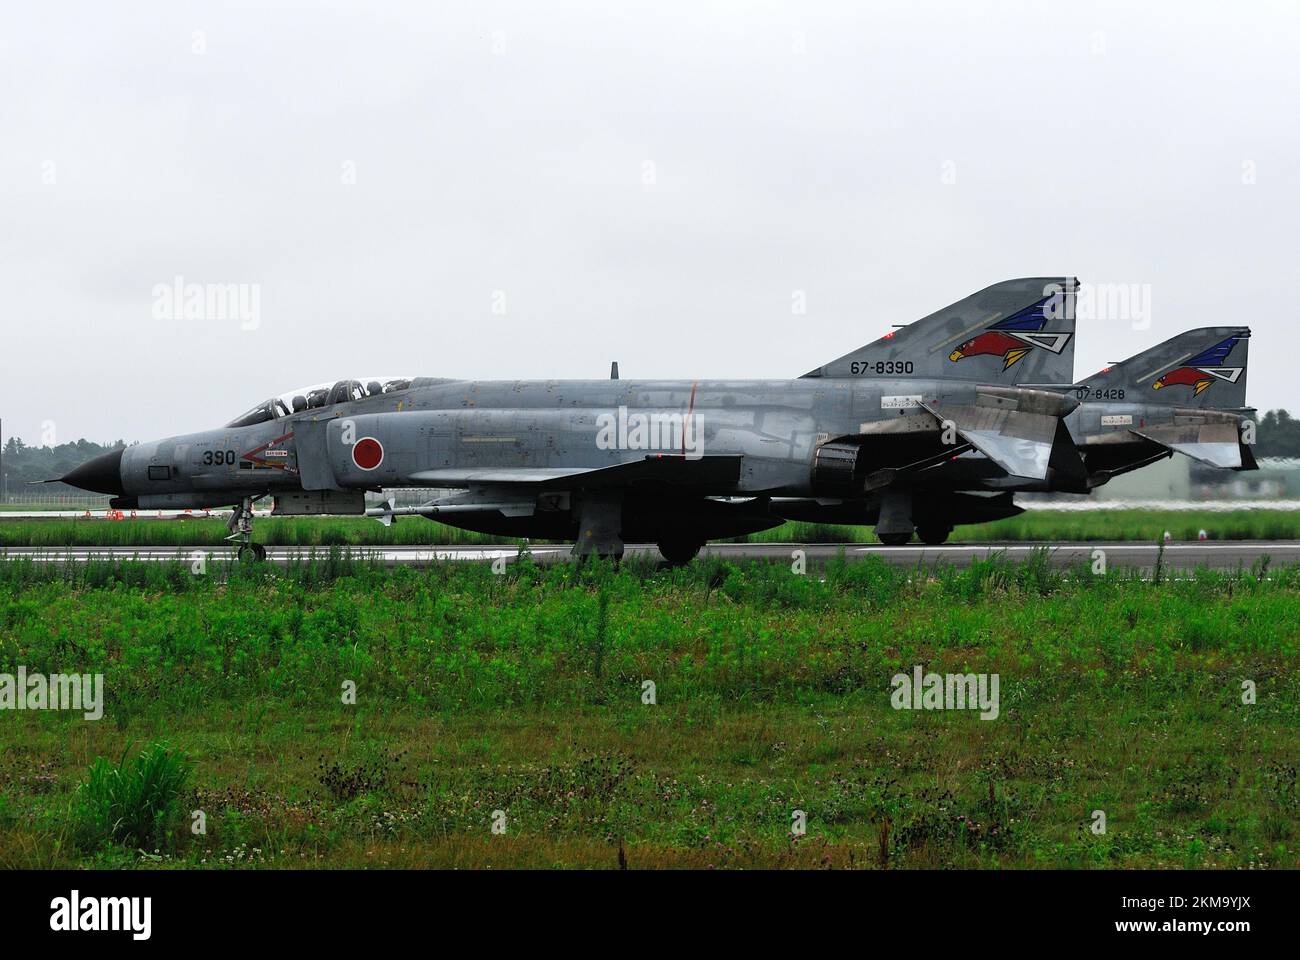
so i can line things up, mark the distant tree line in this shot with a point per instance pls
(23, 464)
(1278, 435)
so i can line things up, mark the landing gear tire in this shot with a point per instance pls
(251, 553)
(679, 553)
(933, 535)
(240, 526)
(895, 539)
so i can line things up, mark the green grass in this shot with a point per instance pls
(1143, 525)
(97, 503)
(1133, 525)
(524, 693)
(136, 802)
(212, 531)
(1058, 525)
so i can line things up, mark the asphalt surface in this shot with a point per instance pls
(1224, 556)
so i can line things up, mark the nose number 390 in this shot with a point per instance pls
(218, 458)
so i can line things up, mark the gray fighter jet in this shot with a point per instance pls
(1186, 395)
(674, 463)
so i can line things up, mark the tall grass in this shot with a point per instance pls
(523, 692)
(454, 636)
(136, 802)
(211, 531)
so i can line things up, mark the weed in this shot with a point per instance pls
(136, 801)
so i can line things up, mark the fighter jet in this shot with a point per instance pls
(1186, 395)
(671, 462)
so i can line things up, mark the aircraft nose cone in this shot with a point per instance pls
(103, 474)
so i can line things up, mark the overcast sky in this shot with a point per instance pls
(528, 189)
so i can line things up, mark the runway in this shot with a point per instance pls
(1222, 556)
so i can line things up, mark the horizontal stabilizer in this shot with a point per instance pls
(1020, 430)
(1215, 444)
(1226, 455)
(1020, 443)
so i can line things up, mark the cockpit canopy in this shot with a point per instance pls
(320, 395)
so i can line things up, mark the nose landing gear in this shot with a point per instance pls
(250, 552)
(240, 526)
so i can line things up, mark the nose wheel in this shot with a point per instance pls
(250, 552)
(240, 526)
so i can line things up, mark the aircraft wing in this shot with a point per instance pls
(654, 470)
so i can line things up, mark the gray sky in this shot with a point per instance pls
(653, 182)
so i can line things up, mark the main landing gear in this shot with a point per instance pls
(894, 539)
(894, 528)
(240, 526)
(679, 551)
(599, 522)
(934, 534)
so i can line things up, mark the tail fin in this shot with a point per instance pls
(1014, 332)
(1199, 368)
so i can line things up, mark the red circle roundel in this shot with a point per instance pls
(367, 453)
